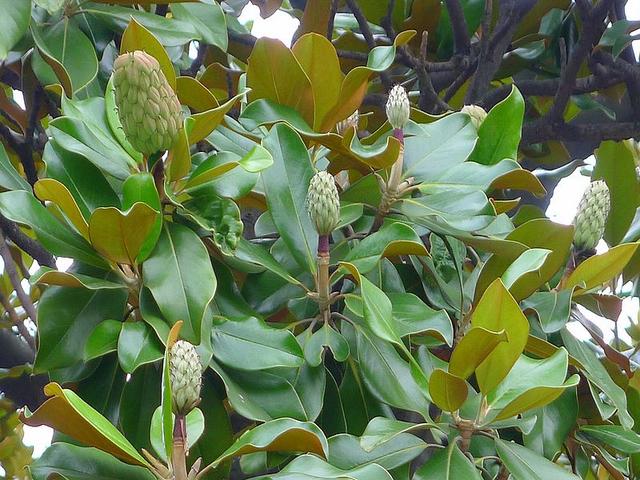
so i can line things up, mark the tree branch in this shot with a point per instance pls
(26, 243)
(461, 41)
(10, 269)
(543, 130)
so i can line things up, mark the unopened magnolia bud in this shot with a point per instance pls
(323, 203)
(591, 217)
(351, 121)
(148, 108)
(185, 373)
(398, 108)
(477, 114)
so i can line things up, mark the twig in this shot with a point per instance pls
(10, 269)
(332, 18)
(13, 316)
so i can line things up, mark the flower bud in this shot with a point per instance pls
(323, 203)
(351, 121)
(398, 108)
(148, 108)
(477, 114)
(591, 217)
(185, 374)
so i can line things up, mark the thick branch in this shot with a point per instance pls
(459, 24)
(543, 130)
(26, 243)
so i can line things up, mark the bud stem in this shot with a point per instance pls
(390, 193)
(324, 287)
(179, 456)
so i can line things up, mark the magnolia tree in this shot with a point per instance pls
(225, 257)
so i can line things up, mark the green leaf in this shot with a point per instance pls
(10, 179)
(496, 311)
(391, 240)
(616, 165)
(199, 125)
(79, 463)
(68, 52)
(51, 190)
(140, 398)
(444, 144)
(499, 134)
(252, 252)
(345, 451)
(179, 274)
(103, 339)
(599, 269)
(530, 261)
(66, 318)
(553, 308)
(310, 467)
(328, 337)
(207, 19)
(120, 236)
(614, 436)
(250, 344)
(598, 376)
(285, 184)
(387, 375)
(476, 345)
(448, 464)
(138, 345)
(69, 414)
(22, 207)
(140, 187)
(381, 429)
(13, 25)
(553, 423)
(447, 391)
(281, 435)
(48, 276)
(523, 464)
(531, 384)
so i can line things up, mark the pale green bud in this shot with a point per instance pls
(398, 107)
(351, 121)
(148, 108)
(185, 373)
(323, 203)
(477, 114)
(591, 218)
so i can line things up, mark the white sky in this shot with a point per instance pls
(562, 208)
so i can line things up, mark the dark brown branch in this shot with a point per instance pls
(459, 25)
(591, 26)
(26, 243)
(368, 36)
(631, 74)
(332, 19)
(26, 152)
(543, 130)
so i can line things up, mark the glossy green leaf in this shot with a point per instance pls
(599, 269)
(285, 184)
(281, 435)
(75, 67)
(49, 189)
(496, 311)
(80, 463)
(614, 436)
(208, 20)
(69, 414)
(138, 345)
(140, 398)
(531, 384)
(523, 464)
(499, 134)
(13, 25)
(66, 319)
(140, 187)
(120, 236)
(310, 467)
(10, 179)
(22, 207)
(447, 391)
(179, 275)
(448, 464)
(345, 451)
(380, 430)
(250, 344)
(195, 428)
(103, 339)
(199, 125)
(476, 345)
(553, 308)
(48, 276)
(328, 337)
(530, 261)
(615, 164)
